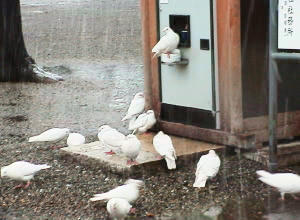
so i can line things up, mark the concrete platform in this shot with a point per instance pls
(93, 154)
(288, 154)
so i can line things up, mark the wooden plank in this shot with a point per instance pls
(259, 123)
(288, 154)
(229, 57)
(283, 132)
(209, 135)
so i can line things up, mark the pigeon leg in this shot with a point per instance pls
(132, 210)
(18, 186)
(147, 133)
(132, 162)
(159, 157)
(282, 196)
(56, 147)
(27, 185)
(168, 54)
(110, 153)
(295, 197)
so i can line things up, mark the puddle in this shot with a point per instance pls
(16, 118)
(268, 208)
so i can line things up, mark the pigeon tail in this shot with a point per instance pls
(170, 163)
(44, 166)
(134, 131)
(33, 139)
(155, 55)
(98, 197)
(200, 181)
(263, 173)
(126, 117)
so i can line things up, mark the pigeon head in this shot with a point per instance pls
(149, 112)
(139, 95)
(3, 171)
(67, 130)
(212, 152)
(166, 29)
(103, 127)
(160, 133)
(131, 136)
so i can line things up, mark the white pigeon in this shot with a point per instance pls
(129, 192)
(164, 146)
(207, 168)
(136, 106)
(142, 123)
(131, 147)
(75, 139)
(22, 171)
(53, 135)
(167, 43)
(111, 138)
(118, 208)
(283, 182)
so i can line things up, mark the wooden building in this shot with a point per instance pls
(237, 40)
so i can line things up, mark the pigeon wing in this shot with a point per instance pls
(163, 144)
(112, 137)
(23, 168)
(139, 122)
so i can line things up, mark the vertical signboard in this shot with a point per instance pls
(289, 24)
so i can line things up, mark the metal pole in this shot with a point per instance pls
(272, 85)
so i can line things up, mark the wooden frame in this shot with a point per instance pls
(235, 130)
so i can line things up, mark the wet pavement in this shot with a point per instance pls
(96, 46)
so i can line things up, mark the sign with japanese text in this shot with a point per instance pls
(289, 24)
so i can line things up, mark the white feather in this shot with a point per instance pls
(131, 147)
(164, 146)
(207, 167)
(118, 208)
(22, 170)
(75, 139)
(53, 134)
(111, 138)
(143, 122)
(283, 182)
(136, 106)
(129, 192)
(167, 43)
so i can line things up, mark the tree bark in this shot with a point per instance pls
(15, 62)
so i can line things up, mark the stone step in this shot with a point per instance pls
(93, 155)
(288, 154)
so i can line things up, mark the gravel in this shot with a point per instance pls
(64, 190)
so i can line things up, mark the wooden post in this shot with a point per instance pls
(146, 48)
(151, 73)
(229, 57)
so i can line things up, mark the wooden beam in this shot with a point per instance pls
(283, 119)
(209, 135)
(283, 132)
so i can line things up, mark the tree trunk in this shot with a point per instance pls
(15, 63)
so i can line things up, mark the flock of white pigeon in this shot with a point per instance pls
(121, 198)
